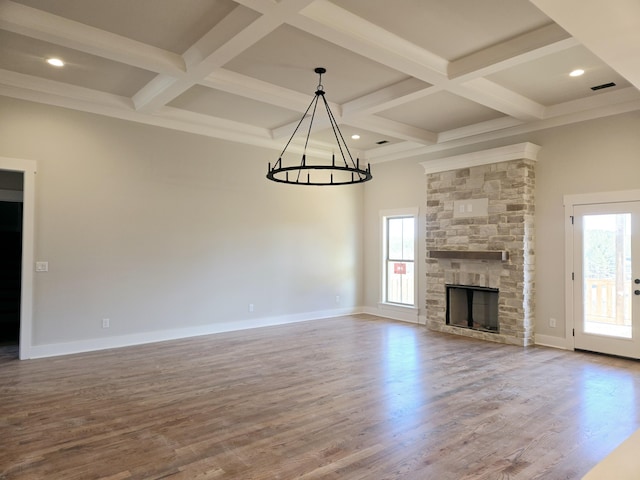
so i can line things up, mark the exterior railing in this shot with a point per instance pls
(604, 302)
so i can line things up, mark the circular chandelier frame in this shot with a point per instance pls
(347, 170)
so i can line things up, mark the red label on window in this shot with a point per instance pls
(400, 268)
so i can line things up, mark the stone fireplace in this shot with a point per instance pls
(480, 236)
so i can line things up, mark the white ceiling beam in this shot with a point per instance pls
(341, 27)
(63, 90)
(320, 122)
(166, 117)
(610, 30)
(405, 91)
(249, 87)
(234, 34)
(332, 23)
(212, 50)
(497, 97)
(367, 122)
(392, 128)
(230, 37)
(51, 28)
(210, 121)
(158, 92)
(523, 48)
(479, 128)
(374, 154)
(597, 101)
(313, 147)
(525, 128)
(262, 6)
(603, 104)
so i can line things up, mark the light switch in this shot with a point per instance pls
(42, 266)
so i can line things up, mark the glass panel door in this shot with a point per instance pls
(606, 297)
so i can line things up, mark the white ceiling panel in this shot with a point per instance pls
(219, 104)
(547, 81)
(452, 28)
(28, 56)
(368, 140)
(440, 112)
(168, 24)
(288, 56)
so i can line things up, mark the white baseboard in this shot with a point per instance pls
(80, 346)
(394, 312)
(551, 341)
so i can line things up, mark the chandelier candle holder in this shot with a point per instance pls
(343, 172)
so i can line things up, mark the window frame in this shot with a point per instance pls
(385, 215)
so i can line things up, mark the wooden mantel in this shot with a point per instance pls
(502, 255)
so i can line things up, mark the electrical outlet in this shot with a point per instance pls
(250, 307)
(337, 298)
(552, 322)
(105, 323)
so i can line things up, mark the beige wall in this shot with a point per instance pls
(157, 229)
(395, 185)
(595, 156)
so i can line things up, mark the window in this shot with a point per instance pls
(399, 259)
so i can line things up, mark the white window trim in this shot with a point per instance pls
(382, 236)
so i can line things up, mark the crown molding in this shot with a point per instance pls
(526, 150)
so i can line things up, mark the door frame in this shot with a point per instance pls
(28, 169)
(570, 201)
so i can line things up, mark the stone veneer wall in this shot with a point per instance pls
(509, 225)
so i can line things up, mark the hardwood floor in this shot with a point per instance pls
(345, 398)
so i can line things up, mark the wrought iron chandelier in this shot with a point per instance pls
(307, 172)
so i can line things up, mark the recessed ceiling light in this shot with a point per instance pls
(577, 72)
(56, 62)
(355, 136)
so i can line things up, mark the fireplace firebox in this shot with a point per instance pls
(472, 307)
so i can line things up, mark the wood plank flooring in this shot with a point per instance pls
(355, 397)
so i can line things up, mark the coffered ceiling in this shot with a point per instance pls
(409, 76)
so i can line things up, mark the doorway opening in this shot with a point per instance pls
(17, 185)
(10, 275)
(11, 231)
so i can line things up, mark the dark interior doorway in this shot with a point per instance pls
(10, 263)
(10, 257)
